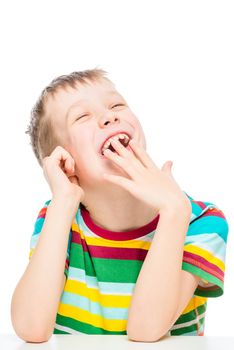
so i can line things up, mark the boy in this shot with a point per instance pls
(140, 255)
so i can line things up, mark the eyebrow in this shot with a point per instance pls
(84, 99)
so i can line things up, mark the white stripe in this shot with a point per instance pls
(67, 329)
(103, 292)
(187, 324)
(108, 288)
(211, 242)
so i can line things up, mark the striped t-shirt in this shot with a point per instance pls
(102, 267)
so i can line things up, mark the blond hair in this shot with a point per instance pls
(40, 129)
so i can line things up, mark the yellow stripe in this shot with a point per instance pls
(106, 300)
(31, 253)
(76, 228)
(108, 243)
(107, 324)
(116, 244)
(87, 317)
(205, 254)
(199, 301)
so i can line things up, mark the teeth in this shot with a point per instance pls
(116, 137)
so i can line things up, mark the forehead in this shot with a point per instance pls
(65, 97)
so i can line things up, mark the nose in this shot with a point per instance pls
(109, 119)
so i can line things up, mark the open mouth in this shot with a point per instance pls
(123, 138)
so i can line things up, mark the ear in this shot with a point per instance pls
(75, 175)
(74, 179)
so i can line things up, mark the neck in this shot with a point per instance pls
(117, 210)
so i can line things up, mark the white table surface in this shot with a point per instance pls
(117, 342)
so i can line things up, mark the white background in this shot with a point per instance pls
(171, 60)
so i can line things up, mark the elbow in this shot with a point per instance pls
(145, 337)
(33, 336)
(145, 334)
(29, 332)
(38, 337)
(148, 329)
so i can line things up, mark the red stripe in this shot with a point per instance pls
(110, 252)
(42, 213)
(200, 204)
(203, 261)
(198, 261)
(214, 212)
(67, 264)
(116, 235)
(118, 253)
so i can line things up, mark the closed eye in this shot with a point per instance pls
(118, 104)
(84, 115)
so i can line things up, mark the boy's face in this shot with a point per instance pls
(102, 111)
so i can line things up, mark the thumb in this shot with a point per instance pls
(167, 167)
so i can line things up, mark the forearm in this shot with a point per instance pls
(36, 297)
(157, 290)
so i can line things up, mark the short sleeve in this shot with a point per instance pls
(205, 251)
(36, 235)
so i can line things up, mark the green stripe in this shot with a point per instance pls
(184, 330)
(191, 315)
(82, 327)
(206, 276)
(80, 260)
(57, 331)
(108, 270)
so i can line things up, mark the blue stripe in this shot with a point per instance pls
(111, 313)
(104, 287)
(211, 242)
(209, 224)
(38, 225)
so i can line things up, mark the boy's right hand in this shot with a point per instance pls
(59, 171)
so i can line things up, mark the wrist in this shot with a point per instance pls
(180, 207)
(176, 212)
(65, 201)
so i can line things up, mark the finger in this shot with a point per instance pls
(60, 154)
(132, 163)
(124, 152)
(167, 167)
(117, 145)
(69, 165)
(141, 154)
(123, 163)
(63, 159)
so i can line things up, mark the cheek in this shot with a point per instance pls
(82, 151)
(135, 121)
(137, 126)
(79, 142)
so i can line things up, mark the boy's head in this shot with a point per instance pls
(79, 112)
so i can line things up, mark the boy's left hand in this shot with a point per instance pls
(157, 188)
